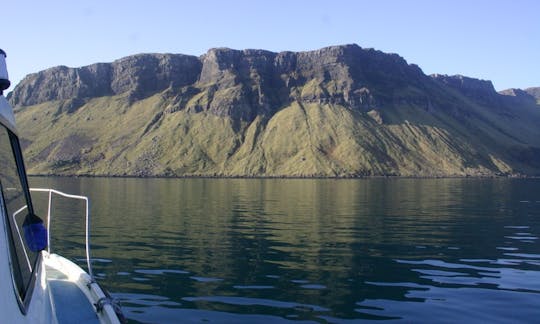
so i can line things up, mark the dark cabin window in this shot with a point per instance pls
(17, 210)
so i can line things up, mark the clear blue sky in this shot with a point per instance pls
(486, 39)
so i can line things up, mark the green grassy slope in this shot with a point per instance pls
(110, 136)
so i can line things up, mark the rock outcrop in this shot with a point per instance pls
(523, 97)
(140, 75)
(479, 90)
(535, 92)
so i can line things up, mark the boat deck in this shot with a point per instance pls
(70, 304)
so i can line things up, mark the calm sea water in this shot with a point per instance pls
(317, 251)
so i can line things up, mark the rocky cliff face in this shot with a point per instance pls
(479, 90)
(139, 75)
(337, 111)
(226, 82)
(535, 92)
(522, 97)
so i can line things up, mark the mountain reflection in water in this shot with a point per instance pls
(313, 250)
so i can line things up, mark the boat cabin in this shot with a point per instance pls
(37, 286)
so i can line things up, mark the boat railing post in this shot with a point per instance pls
(88, 260)
(49, 223)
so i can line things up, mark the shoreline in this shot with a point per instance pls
(289, 177)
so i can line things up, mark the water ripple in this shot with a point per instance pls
(160, 271)
(502, 278)
(205, 279)
(444, 304)
(253, 287)
(246, 301)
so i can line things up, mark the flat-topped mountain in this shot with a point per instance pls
(261, 80)
(337, 111)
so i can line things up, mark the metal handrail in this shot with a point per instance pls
(20, 236)
(87, 234)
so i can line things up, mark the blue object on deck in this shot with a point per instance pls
(35, 235)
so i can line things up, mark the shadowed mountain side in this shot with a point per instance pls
(338, 111)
